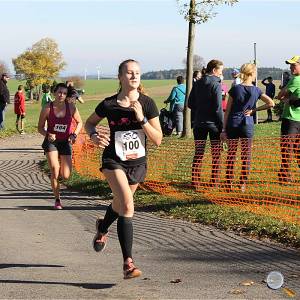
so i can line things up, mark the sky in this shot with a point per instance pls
(102, 33)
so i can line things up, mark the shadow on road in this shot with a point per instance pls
(90, 286)
(6, 266)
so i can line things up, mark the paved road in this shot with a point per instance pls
(47, 254)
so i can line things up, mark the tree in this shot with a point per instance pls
(198, 62)
(3, 67)
(196, 12)
(39, 64)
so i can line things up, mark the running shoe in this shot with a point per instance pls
(100, 239)
(22, 132)
(57, 205)
(131, 271)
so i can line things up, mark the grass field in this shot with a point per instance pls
(97, 90)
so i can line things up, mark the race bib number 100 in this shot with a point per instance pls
(130, 144)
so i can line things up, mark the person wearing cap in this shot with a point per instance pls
(290, 126)
(236, 77)
(4, 97)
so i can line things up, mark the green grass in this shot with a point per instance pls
(98, 87)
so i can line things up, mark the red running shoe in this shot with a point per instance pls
(131, 271)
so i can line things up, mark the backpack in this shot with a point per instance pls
(166, 121)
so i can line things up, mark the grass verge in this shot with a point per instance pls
(200, 211)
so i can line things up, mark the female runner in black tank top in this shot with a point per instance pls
(132, 117)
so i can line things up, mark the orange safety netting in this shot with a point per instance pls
(260, 176)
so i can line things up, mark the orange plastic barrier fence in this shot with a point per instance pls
(260, 176)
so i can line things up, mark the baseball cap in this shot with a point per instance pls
(295, 59)
(235, 71)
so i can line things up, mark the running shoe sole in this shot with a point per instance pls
(96, 246)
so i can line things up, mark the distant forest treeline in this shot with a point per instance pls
(172, 74)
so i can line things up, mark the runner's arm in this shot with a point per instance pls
(100, 138)
(78, 120)
(42, 120)
(153, 131)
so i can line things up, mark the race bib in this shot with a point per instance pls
(60, 128)
(130, 144)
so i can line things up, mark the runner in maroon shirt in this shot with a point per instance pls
(59, 137)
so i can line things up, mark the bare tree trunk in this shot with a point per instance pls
(39, 94)
(187, 132)
(31, 94)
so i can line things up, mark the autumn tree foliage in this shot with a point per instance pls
(39, 64)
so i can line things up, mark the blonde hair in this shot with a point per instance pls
(141, 88)
(246, 71)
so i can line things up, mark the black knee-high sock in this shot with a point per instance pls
(125, 234)
(109, 218)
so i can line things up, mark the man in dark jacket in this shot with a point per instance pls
(205, 102)
(270, 91)
(4, 97)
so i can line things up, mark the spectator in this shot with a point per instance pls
(19, 106)
(206, 101)
(46, 98)
(224, 93)
(285, 79)
(4, 97)
(290, 126)
(176, 100)
(238, 122)
(236, 77)
(73, 94)
(196, 75)
(270, 91)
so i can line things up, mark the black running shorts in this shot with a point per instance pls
(135, 174)
(63, 147)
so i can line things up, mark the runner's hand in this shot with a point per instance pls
(102, 138)
(51, 137)
(137, 107)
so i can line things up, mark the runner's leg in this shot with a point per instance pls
(53, 162)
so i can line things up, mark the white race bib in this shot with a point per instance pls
(60, 128)
(130, 144)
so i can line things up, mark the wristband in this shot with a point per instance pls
(144, 121)
(92, 133)
(74, 134)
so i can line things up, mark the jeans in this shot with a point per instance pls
(2, 116)
(234, 134)
(178, 117)
(289, 143)
(200, 136)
